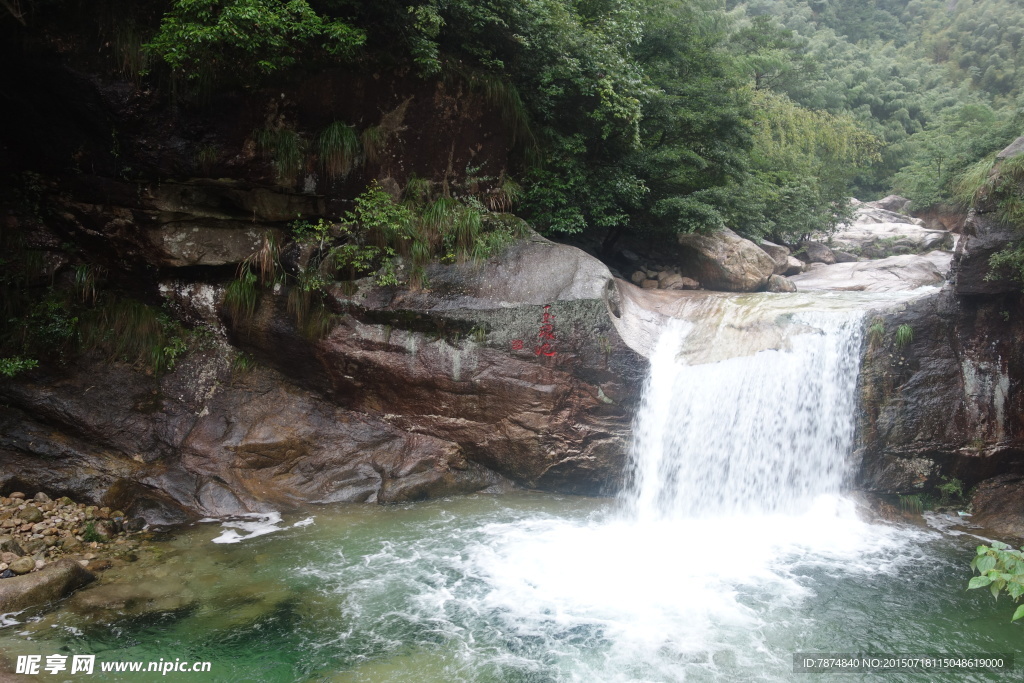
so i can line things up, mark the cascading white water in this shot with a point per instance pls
(747, 409)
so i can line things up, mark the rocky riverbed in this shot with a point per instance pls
(40, 540)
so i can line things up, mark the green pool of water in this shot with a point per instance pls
(533, 588)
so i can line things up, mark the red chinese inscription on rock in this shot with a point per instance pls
(546, 334)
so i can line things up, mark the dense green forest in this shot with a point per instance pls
(674, 115)
(648, 116)
(937, 81)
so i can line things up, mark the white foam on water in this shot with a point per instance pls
(669, 596)
(734, 518)
(251, 524)
(303, 522)
(7, 619)
(740, 456)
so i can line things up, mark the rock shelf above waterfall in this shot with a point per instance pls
(896, 273)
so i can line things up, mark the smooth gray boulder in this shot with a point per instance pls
(51, 583)
(815, 252)
(22, 565)
(881, 240)
(871, 213)
(893, 202)
(844, 256)
(896, 273)
(778, 283)
(725, 261)
(1015, 148)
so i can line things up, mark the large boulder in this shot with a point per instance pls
(893, 202)
(815, 252)
(896, 273)
(51, 583)
(875, 213)
(725, 261)
(880, 240)
(779, 283)
(779, 254)
(1015, 148)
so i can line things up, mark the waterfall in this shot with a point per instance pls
(749, 408)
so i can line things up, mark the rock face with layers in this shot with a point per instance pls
(725, 261)
(948, 401)
(508, 371)
(982, 237)
(998, 505)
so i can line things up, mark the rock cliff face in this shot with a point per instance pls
(506, 372)
(949, 401)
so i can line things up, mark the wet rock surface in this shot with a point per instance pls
(507, 372)
(896, 273)
(998, 505)
(45, 586)
(882, 239)
(947, 401)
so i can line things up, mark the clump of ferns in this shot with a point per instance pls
(87, 278)
(457, 229)
(994, 180)
(306, 302)
(374, 142)
(338, 148)
(904, 336)
(286, 150)
(501, 96)
(876, 333)
(260, 270)
(504, 196)
(205, 158)
(134, 332)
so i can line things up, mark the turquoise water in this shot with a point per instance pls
(531, 587)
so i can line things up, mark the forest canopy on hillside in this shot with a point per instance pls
(652, 116)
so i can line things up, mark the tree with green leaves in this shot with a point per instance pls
(198, 37)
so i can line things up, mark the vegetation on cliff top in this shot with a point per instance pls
(656, 116)
(625, 116)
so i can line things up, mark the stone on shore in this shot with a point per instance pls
(51, 583)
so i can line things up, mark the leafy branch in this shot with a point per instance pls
(1001, 568)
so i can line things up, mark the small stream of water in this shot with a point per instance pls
(731, 548)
